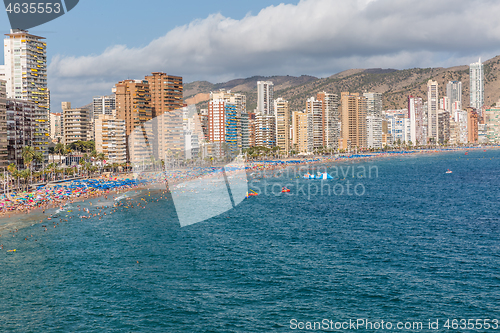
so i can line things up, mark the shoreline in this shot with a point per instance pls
(251, 166)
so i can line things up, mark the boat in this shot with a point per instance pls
(449, 171)
(251, 194)
(285, 190)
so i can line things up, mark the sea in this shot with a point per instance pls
(390, 244)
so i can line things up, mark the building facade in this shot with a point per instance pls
(432, 111)
(353, 121)
(25, 73)
(299, 130)
(282, 109)
(110, 138)
(133, 105)
(265, 98)
(476, 75)
(56, 127)
(77, 123)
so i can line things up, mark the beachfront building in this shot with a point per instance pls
(3, 125)
(133, 105)
(331, 119)
(282, 109)
(416, 116)
(166, 95)
(472, 125)
(110, 138)
(432, 111)
(461, 120)
(265, 98)
(223, 127)
(314, 109)
(19, 119)
(444, 127)
(239, 101)
(492, 117)
(374, 131)
(25, 72)
(252, 129)
(245, 130)
(373, 104)
(476, 74)
(77, 123)
(265, 130)
(454, 94)
(299, 130)
(56, 127)
(353, 121)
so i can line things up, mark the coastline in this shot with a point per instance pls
(151, 183)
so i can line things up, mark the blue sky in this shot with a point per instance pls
(99, 43)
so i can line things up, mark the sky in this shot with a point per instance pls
(99, 43)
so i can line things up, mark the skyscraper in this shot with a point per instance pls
(265, 98)
(330, 119)
(282, 109)
(299, 130)
(476, 73)
(373, 104)
(353, 121)
(314, 108)
(454, 94)
(432, 110)
(166, 93)
(415, 114)
(26, 75)
(133, 104)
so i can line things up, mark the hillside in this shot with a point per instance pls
(395, 85)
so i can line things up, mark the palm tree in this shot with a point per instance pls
(25, 174)
(28, 154)
(60, 150)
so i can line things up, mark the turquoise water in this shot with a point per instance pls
(419, 244)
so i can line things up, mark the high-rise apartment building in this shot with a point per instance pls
(415, 114)
(472, 125)
(265, 98)
(56, 127)
(331, 119)
(314, 108)
(282, 109)
(133, 104)
(454, 94)
(20, 128)
(103, 105)
(492, 116)
(3, 125)
(77, 123)
(299, 130)
(222, 126)
(373, 104)
(432, 111)
(476, 74)
(444, 126)
(374, 132)
(265, 130)
(110, 138)
(353, 121)
(25, 72)
(166, 93)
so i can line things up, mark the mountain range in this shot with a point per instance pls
(395, 85)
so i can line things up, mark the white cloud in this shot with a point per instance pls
(317, 37)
